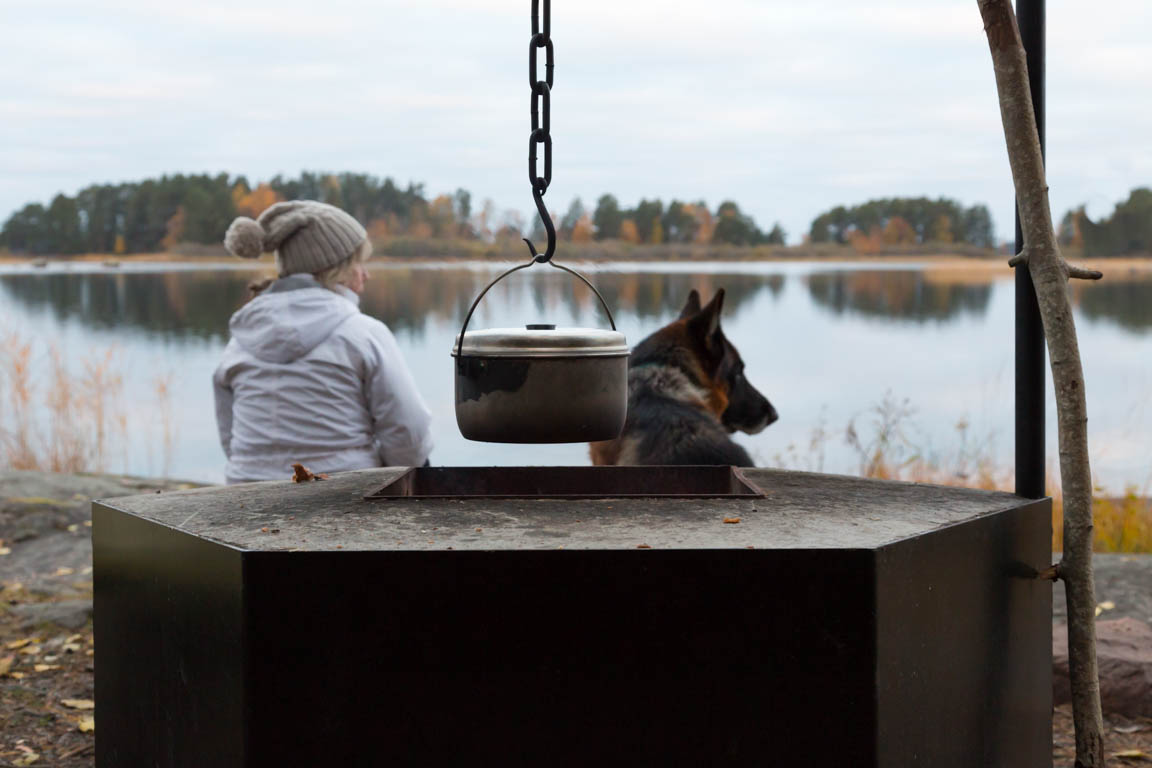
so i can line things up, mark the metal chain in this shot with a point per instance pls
(541, 121)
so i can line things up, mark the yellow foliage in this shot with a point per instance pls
(899, 232)
(657, 236)
(628, 231)
(1119, 524)
(942, 229)
(582, 231)
(705, 224)
(120, 247)
(254, 203)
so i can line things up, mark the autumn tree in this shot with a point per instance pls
(582, 231)
(255, 202)
(174, 230)
(571, 218)
(647, 216)
(628, 231)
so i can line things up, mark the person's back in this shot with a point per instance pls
(306, 376)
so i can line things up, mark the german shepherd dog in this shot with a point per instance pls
(686, 394)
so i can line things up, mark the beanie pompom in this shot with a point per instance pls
(245, 238)
(283, 226)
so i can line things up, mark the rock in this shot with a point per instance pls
(1124, 655)
(1124, 579)
(43, 518)
(72, 614)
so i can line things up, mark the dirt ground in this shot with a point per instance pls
(45, 692)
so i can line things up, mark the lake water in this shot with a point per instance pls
(827, 342)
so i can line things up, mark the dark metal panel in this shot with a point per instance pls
(1031, 380)
(720, 657)
(168, 625)
(964, 648)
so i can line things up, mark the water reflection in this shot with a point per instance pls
(1128, 303)
(198, 304)
(897, 295)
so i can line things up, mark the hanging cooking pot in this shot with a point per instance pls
(540, 383)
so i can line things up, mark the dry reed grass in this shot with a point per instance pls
(58, 417)
(885, 450)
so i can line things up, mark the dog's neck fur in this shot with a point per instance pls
(668, 381)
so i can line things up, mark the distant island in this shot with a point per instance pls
(185, 216)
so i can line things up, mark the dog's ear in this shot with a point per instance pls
(692, 306)
(706, 322)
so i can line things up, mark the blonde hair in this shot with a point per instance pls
(335, 275)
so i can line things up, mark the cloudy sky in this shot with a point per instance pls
(788, 108)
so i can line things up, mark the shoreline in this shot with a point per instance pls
(940, 260)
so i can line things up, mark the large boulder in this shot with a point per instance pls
(1124, 655)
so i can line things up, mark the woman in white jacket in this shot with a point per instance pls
(307, 377)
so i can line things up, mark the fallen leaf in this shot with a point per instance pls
(79, 703)
(73, 528)
(29, 757)
(5, 550)
(643, 546)
(6, 664)
(45, 667)
(65, 571)
(30, 650)
(731, 520)
(19, 643)
(301, 474)
(1107, 605)
(264, 530)
(1130, 728)
(70, 648)
(74, 639)
(16, 675)
(86, 724)
(88, 523)
(1133, 754)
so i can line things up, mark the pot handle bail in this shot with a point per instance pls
(468, 317)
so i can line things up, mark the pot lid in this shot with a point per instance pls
(543, 341)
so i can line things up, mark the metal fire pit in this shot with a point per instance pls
(829, 621)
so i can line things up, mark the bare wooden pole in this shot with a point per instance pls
(1050, 274)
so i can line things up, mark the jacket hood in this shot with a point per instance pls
(290, 318)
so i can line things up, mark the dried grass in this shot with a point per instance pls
(62, 417)
(886, 449)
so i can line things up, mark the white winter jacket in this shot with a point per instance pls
(308, 378)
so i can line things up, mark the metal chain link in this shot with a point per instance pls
(541, 108)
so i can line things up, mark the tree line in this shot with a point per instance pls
(1127, 231)
(161, 214)
(904, 221)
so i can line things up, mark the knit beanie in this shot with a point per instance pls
(308, 236)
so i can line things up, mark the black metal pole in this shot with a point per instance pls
(1030, 376)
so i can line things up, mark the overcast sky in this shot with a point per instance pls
(788, 108)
